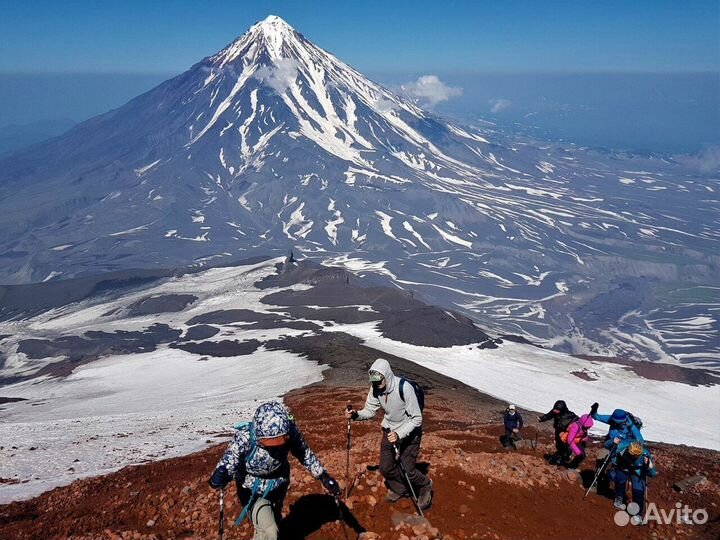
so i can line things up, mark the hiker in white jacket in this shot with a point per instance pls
(402, 426)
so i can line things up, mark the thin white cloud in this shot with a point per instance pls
(499, 105)
(384, 105)
(429, 90)
(280, 76)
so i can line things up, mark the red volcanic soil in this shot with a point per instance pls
(481, 489)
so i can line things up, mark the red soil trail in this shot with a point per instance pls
(481, 490)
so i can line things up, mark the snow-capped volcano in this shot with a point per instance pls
(272, 87)
(274, 143)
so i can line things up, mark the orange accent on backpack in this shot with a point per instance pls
(564, 438)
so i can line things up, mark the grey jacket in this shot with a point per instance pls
(402, 417)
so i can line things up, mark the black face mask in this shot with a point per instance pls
(377, 390)
(278, 453)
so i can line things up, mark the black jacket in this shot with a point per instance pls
(561, 420)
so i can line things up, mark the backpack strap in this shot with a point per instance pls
(246, 508)
(253, 445)
(254, 491)
(253, 439)
(402, 394)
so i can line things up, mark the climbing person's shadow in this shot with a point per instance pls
(310, 512)
(602, 488)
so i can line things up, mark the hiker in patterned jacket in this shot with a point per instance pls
(402, 426)
(257, 459)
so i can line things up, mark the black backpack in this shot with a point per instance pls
(419, 393)
(635, 420)
(564, 420)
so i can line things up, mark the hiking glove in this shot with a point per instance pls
(594, 408)
(330, 484)
(220, 478)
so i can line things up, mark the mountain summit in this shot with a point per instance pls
(272, 36)
(274, 143)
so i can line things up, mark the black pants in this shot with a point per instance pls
(563, 450)
(409, 450)
(510, 438)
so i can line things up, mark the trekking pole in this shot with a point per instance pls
(347, 457)
(601, 469)
(342, 516)
(407, 480)
(221, 526)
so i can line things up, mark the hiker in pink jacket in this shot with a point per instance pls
(577, 436)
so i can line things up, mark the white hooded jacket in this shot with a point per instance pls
(402, 417)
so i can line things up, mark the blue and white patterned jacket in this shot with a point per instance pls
(247, 462)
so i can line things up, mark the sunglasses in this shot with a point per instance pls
(274, 442)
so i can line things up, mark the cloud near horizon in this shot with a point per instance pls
(706, 160)
(499, 105)
(429, 90)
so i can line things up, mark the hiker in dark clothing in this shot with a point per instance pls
(513, 422)
(562, 417)
(402, 426)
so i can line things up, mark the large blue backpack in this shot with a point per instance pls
(419, 393)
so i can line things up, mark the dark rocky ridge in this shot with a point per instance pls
(79, 350)
(334, 296)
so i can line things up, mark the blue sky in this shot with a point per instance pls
(474, 36)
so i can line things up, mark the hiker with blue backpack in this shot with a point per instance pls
(623, 425)
(257, 459)
(631, 461)
(402, 401)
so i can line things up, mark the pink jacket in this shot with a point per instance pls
(579, 428)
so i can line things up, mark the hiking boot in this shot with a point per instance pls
(425, 497)
(392, 497)
(619, 504)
